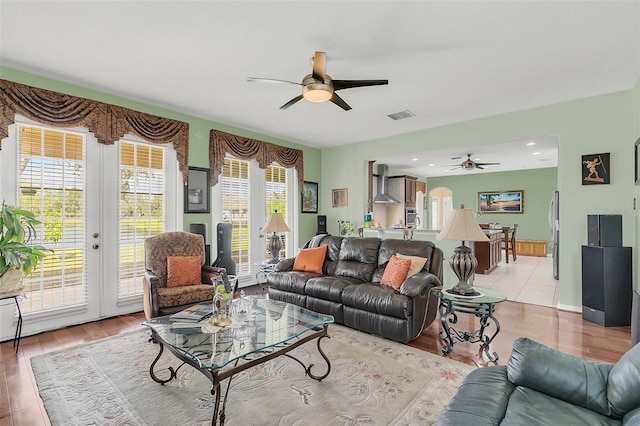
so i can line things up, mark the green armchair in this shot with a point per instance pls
(541, 386)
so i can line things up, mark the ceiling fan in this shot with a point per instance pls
(469, 164)
(319, 87)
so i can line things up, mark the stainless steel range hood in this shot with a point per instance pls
(382, 195)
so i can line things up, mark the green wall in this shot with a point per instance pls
(607, 123)
(586, 126)
(538, 186)
(198, 139)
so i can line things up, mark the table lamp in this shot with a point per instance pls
(275, 223)
(461, 225)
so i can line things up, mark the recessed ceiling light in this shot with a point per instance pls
(431, 164)
(414, 159)
(531, 143)
(536, 153)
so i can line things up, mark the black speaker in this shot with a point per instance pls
(322, 225)
(224, 259)
(604, 230)
(201, 229)
(607, 285)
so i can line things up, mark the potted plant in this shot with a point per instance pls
(17, 257)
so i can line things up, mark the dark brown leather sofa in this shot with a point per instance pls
(349, 287)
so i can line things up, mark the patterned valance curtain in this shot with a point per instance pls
(109, 123)
(221, 143)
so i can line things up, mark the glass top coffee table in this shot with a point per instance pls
(264, 331)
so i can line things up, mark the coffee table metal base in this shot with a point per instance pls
(217, 376)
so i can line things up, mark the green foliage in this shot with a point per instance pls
(277, 202)
(17, 228)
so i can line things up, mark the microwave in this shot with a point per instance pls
(410, 214)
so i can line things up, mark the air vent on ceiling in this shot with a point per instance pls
(401, 115)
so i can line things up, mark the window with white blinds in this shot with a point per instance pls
(276, 201)
(142, 209)
(236, 197)
(51, 180)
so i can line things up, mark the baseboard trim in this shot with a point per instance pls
(569, 308)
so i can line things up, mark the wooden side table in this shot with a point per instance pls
(15, 295)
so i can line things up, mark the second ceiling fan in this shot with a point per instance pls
(320, 87)
(469, 164)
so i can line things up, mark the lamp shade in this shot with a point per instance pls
(462, 226)
(275, 223)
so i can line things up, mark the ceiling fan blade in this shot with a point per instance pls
(479, 167)
(340, 102)
(320, 66)
(291, 102)
(271, 80)
(348, 84)
(488, 164)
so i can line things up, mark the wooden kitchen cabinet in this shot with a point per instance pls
(409, 191)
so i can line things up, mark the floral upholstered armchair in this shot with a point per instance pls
(176, 276)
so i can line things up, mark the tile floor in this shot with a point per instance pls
(529, 280)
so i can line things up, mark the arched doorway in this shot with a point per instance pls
(440, 205)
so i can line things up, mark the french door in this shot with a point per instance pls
(97, 204)
(245, 196)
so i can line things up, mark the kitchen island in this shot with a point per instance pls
(488, 253)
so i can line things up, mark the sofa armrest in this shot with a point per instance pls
(631, 418)
(150, 295)
(481, 399)
(419, 284)
(562, 376)
(284, 265)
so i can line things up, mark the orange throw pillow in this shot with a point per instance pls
(310, 260)
(396, 272)
(183, 270)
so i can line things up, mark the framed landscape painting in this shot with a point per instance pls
(310, 197)
(501, 202)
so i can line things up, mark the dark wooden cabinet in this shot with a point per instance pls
(488, 253)
(409, 191)
(607, 285)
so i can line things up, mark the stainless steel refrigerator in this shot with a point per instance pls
(554, 226)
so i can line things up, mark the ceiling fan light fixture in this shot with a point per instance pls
(317, 92)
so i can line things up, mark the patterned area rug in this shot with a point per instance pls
(373, 381)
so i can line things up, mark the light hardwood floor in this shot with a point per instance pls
(20, 404)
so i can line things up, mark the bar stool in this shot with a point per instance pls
(512, 242)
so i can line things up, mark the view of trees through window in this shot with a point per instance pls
(142, 209)
(51, 185)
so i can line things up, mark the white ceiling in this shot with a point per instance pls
(446, 62)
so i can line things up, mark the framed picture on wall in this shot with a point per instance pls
(501, 201)
(310, 197)
(196, 191)
(339, 197)
(596, 169)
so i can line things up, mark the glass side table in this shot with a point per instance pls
(483, 307)
(15, 295)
